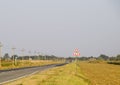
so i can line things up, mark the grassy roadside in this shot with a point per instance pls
(64, 75)
(27, 63)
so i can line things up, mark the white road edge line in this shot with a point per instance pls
(19, 77)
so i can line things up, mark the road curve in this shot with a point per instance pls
(10, 75)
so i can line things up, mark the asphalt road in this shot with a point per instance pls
(7, 76)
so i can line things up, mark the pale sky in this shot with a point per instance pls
(57, 27)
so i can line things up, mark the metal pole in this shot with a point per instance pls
(42, 56)
(35, 55)
(38, 55)
(76, 64)
(0, 54)
(29, 55)
(23, 50)
(76, 54)
(45, 57)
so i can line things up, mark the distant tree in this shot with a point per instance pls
(104, 57)
(14, 57)
(6, 56)
(83, 58)
(112, 58)
(118, 57)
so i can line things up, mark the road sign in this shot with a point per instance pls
(76, 53)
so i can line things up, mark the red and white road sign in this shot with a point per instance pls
(76, 53)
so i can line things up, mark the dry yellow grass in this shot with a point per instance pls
(101, 73)
(64, 75)
(87, 73)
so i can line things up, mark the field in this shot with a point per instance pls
(101, 73)
(27, 63)
(87, 74)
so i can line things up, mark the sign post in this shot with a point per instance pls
(76, 54)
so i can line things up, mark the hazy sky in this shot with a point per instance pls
(59, 26)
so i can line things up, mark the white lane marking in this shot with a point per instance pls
(19, 77)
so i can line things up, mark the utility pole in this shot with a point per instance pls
(45, 57)
(23, 50)
(42, 56)
(29, 54)
(13, 55)
(0, 53)
(38, 55)
(35, 55)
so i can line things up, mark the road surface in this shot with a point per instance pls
(7, 76)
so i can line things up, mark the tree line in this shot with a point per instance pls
(101, 57)
(52, 57)
(32, 57)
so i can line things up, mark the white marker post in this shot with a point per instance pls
(22, 57)
(76, 54)
(13, 54)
